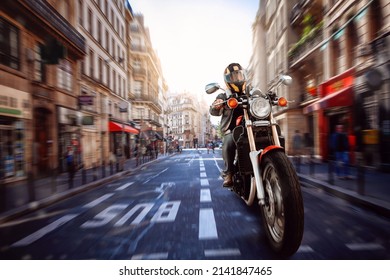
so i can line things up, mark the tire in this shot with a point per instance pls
(283, 212)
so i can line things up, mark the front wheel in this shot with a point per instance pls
(282, 213)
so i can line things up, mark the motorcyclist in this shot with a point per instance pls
(235, 80)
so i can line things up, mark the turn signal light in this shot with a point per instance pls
(282, 102)
(232, 103)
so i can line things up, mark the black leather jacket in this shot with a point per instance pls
(225, 112)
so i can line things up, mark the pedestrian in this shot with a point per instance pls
(70, 164)
(340, 149)
(297, 146)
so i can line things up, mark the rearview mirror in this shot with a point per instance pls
(211, 88)
(286, 80)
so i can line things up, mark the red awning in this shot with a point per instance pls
(340, 98)
(117, 127)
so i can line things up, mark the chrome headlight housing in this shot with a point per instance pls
(260, 108)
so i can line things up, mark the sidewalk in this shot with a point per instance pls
(366, 187)
(25, 196)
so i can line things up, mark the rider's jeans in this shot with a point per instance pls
(228, 152)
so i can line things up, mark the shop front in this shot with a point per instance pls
(68, 136)
(122, 139)
(15, 125)
(335, 106)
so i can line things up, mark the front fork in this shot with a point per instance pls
(255, 157)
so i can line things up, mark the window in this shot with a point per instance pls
(114, 81)
(108, 73)
(90, 26)
(100, 69)
(375, 19)
(335, 57)
(137, 89)
(99, 31)
(112, 49)
(64, 75)
(9, 45)
(141, 113)
(352, 41)
(38, 65)
(91, 63)
(107, 41)
(81, 9)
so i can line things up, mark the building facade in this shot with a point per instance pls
(147, 86)
(72, 76)
(353, 88)
(337, 53)
(40, 50)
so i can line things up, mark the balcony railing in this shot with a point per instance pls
(306, 45)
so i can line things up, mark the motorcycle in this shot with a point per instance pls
(263, 173)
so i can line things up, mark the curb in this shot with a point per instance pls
(378, 206)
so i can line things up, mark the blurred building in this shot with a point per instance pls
(75, 74)
(185, 120)
(271, 40)
(338, 55)
(147, 86)
(39, 85)
(104, 109)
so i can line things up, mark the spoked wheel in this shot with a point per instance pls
(282, 213)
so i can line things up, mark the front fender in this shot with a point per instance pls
(268, 149)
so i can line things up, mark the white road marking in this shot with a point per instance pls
(204, 182)
(207, 226)
(203, 174)
(364, 246)
(222, 252)
(125, 186)
(167, 212)
(145, 210)
(216, 164)
(205, 195)
(153, 256)
(43, 231)
(305, 249)
(104, 217)
(152, 177)
(98, 200)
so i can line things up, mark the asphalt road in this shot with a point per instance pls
(176, 209)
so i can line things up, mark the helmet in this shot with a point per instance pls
(235, 78)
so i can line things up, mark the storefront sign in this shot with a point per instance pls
(67, 116)
(87, 120)
(15, 103)
(338, 85)
(370, 136)
(86, 100)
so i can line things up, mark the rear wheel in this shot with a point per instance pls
(283, 213)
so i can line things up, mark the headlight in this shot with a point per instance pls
(260, 108)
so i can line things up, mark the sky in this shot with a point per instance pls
(196, 39)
